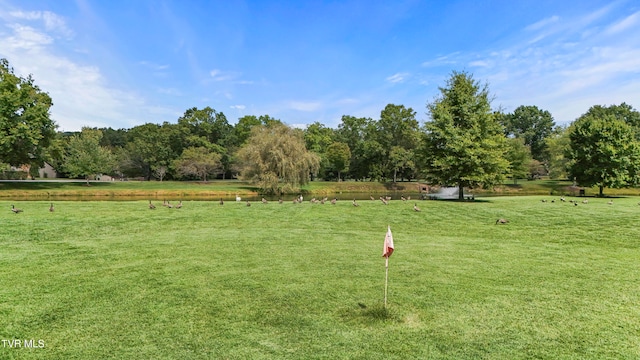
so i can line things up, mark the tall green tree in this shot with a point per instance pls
(519, 158)
(464, 144)
(198, 161)
(148, 150)
(398, 132)
(623, 112)
(533, 125)
(338, 158)
(558, 146)
(359, 135)
(84, 157)
(26, 129)
(604, 152)
(276, 160)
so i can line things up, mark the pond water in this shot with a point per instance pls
(340, 196)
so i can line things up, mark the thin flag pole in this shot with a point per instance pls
(386, 279)
(387, 250)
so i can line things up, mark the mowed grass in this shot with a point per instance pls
(98, 280)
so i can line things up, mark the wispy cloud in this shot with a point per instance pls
(304, 105)
(624, 24)
(219, 75)
(51, 21)
(81, 94)
(542, 23)
(397, 77)
(238, 107)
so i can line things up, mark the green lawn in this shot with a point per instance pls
(97, 280)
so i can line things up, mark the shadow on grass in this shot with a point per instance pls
(370, 315)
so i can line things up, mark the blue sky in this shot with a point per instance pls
(122, 63)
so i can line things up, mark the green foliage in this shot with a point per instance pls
(558, 146)
(604, 152)
(84, 157)
(276, 160)
(199, 162)
(338, 158)
(533, 125)
(148, 149)
(519, 158)
(25, 127)
(464, 143)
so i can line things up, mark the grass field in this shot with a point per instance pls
(108, 279)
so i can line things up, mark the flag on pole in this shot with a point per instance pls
(388, 244)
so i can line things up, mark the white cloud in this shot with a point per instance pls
(397, 77)
(543, 23)
(51, 21)
(304, 105)
(238, 107)
(81, 94)
(624, 24)
(219, 75)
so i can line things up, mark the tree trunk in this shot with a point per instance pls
(460, 191)
(601, 191)
(395, 173)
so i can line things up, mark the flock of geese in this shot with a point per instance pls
(299, 199)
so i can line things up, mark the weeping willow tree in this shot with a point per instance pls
(276, 160)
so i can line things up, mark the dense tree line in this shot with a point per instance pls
(464, 142)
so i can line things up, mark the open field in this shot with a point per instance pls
(111, 279)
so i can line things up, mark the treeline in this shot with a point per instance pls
(464, 142)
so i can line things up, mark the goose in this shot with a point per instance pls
(15, 209)
(169, 205)
(151, 206)
(264, 201)
(416, 208)
(355, 203)
(371, 197)
(248, 203)
(610, 202)
(51, 208)
(585, 201)
(403, 198)
(179, 206)
(502, 221)
(280, 201)
(333, 201)
(221, 201)
(238, 198)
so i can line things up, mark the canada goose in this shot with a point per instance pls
(355, 203)
(151, 206)
(179, 206)
(416, 208)
(333, 201)
(51, 208)
(248, 203)
(502, 221)
(543, 200)
(15, 209)
(585, 201)
(563, 199)
(169, 205)
(371, 197)
(322, 201)
(610, 202)
(264, 201)
(295, 200)
(280, 201)
(221, 202)
(408, 198)
(403, 198)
